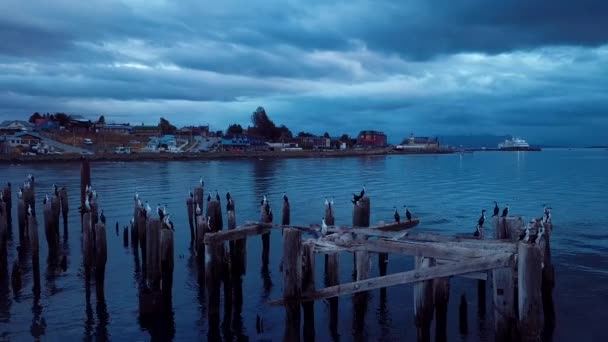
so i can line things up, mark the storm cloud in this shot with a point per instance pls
(537, 69)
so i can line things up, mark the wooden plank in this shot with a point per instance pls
(529, 281)
(482, 264)
(428, 249)
(236, 234)
(423, 300)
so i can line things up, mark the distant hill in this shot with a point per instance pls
(473, 141)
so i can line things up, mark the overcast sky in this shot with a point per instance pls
(538, 69)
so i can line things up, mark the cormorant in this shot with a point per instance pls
(496, 209)
(102, 217)
(357, 198)
(505, 211)
(217, 196)
(408, 215)
(397, 216)
(209, 197)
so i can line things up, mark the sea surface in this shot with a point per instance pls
(447, 193)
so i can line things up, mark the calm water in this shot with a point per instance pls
(446, 192)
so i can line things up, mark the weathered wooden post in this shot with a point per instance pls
(308, 286)
(286, 219)
(529, 280)
(442, 297)
(548, 281)
(330, 221)
(332, 273)
(201, 227)
(361, 218)
(190, 210)
(199, 193)
(214, 211)
(65, 208)
(8, 199)
(88, 241)
(3, 222)
(49, 228)
(266, 217)
(503, 289)
(55, 212)
(101, 257)
(153, 253)
(463, 318)
(35, 249)
(481, 297)
(292, 282)
(214, 267)
(166, 264)
(22, 220)
(142, 224)
(85, 181)
(423, 301)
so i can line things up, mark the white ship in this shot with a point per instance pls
(514, 143)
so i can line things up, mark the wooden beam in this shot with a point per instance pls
(485, 263)
(236, 234)
(428, 249)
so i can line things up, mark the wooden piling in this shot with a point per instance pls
(190, 210)
(308, 286)
(286, 219)
(215, 212)
(292, 282)
(35, 249)
(238, 249)
(265, 218)
(214, 268)
(423, 301)
(88, 241)
(463, 319)
(3, 222)
(142, 224)
(22, 220)
(442, 297)
(166, 264)
(101, 257)
(548, 283)
(85, 180)
(199, 193)
(503, 286)
(8, 199)
(65, 208)
(55, 212)
(529, 282)
(153, 253)
(332, 273)
(49, 229)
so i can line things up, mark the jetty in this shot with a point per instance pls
(514, 261)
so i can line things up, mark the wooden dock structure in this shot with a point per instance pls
(515, 261)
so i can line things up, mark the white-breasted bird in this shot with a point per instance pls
(323, 227)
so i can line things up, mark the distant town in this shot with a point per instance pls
(60, 133)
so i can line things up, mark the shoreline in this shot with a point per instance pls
(135, 157)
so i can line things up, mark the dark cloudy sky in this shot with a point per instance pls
(538, 69)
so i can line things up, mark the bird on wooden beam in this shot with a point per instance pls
(496, 209)
(323, 227)
(200, 181)
(285, 199)
(397, 216)
(198, 211)
(408, 215)
(102, 217)
(480, 222)
(209, 197)
(357, 198)
(217, 196)
(29, 210)
(229, 202)
(505, 211)
(167, 223)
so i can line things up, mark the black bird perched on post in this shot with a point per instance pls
(209, 197)
(167, 223)
(55, 189)
(505, 211)
(229, 202)
(160, 212)
(397, 217)
(285, 199)
(217, 196)
(357, 198)
(480, 222)
(408, 215)
(496, 209)
(102, 217)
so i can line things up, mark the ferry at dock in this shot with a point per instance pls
(515, 144)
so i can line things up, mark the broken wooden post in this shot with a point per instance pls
(190, 210)
(199, 193)
(22, 220)
(85, 181)
(214, 212)
(442, 297)
(88, 241)
(166, 265)
(55, 212)
(8, 199)
(332, 273)
(65, 208)
(3, 222)
(153, 253)
(266, 217)
(308, 286)
(51, 238)
(238, 248)
(548, 282)
(35, 249)
(101, 257)
(330, 221)
(292, 282)
(142, 224)
(214, 268)
(423, 301)
(361, 214)
(503, 290)
(286, 219)
(529, 280)
(463, 315)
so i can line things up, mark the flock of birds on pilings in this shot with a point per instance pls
(527, 236)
